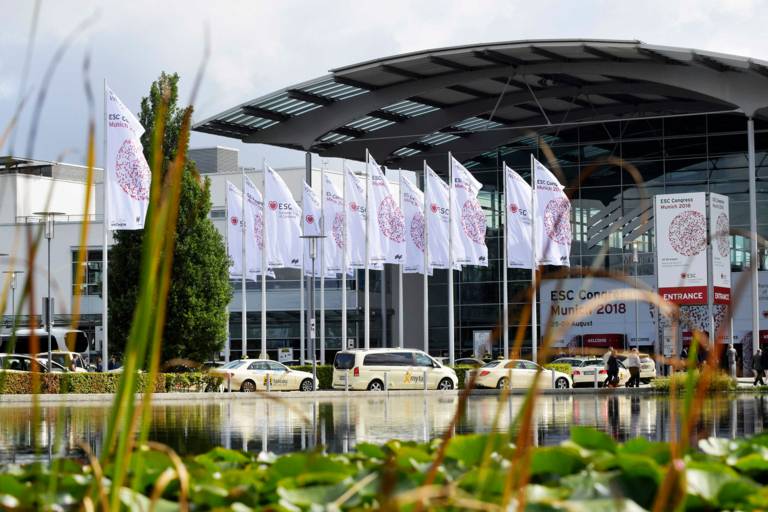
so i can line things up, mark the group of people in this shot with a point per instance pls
(112, 364)
(611, 363)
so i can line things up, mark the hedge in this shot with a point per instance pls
(720, 382)
(93, 383)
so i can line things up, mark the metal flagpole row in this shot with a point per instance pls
(104, 253)
(366, 278)
(451, 342)
(265, 237)
(425, 305)
(322, 263)
(534, 284)
(244, 266)
(504, 278)
(344, 259)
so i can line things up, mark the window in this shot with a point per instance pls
(232, 365)
(276, 367)
(423, 360)
(91, 283)
(259, 366)
(344, 361)
(389, 359)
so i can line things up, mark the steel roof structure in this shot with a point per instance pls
(475, 100)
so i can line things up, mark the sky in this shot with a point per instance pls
(257, 47)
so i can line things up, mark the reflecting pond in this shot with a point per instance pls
(338, 422)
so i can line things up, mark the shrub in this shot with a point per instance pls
(720, 382)
(559, 367)
(324, 374)
(96, 383)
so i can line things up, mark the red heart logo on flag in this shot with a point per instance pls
(434, 208)
(353, 206)
(310, 219)
(513, 208)
(233, 220)
(273, 205)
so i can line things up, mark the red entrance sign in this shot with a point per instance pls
(685, 295)
(604, 340)
(721, 295)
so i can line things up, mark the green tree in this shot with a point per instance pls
(196, 319)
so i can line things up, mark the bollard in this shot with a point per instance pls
(269, 383)
(594, 377)
(553, 378)
(425, 380)
(346, 381)
(467, 377)
(386, 381)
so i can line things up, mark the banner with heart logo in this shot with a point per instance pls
(283, 223)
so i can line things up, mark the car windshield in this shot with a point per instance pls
(492, 364)
(233, 364)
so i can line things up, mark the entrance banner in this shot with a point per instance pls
(719, 234)
(681, 243)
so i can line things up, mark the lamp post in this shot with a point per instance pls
(49, 219)
(13, 274)
(311, 314)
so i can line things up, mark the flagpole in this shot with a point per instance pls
(226, 244)
(322, 263)
(104, 254)
(366, 274)
(243, 299)
(504, 278)
(534, 284)
(425, 305)
(451, 341)
(263, 354)
(344, 259)
(400, 326)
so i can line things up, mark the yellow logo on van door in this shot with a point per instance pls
(413, 378)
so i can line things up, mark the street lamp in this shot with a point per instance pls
(311, 314)
(49, 219)
(13, 274)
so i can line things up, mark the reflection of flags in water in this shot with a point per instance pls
(235, 230)
(354, 196)
(553, 218)
(283, 233)
(518, 220)
(469, 218)
(127, 177)
(333, 224)
(387, 227)
(413, 211)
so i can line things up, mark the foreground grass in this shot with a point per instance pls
(588, 472)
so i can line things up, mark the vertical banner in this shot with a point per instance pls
(254, 234)
(354, 195)
(311, 215)
(413, 210)
(719, 234)
(235, 230)
(469, 218)
(333, 224)
(519, 226)
(283, 223)
(553, 219)
(127, 176)
(438, 220)
(387, 237)
(681, 243)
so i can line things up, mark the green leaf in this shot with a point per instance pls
(370, 450)
(754, 465)
(469, 449)
(659, 452)
(556, 461)
(592, 439)
(306, 496)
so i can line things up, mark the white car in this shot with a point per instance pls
(519, 373)
(647, 366)
(66, 359)
(17, 363)
(583, 370)
(262, 374)
(390, 368)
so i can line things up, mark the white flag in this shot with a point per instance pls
(553, 219)
(254, 228)
(519, 216)
(283, 223)
(333, 224)
(354, 196)
(438, 220)
(469, 218)
(386, 239)
(235, 230)
(127, 177)
(311, 212)
(413, 210)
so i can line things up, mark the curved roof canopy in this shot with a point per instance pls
(472, 100)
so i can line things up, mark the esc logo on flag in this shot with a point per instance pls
(310, 219)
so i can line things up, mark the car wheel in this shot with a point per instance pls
(503, 383)
(445, 385)
(376, 385)
(306, 385)
(248, 386)
(561, 383)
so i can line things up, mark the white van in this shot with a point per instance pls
(62, 339)
(400, 368)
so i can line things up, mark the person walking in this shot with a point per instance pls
(757, 367)
(613, 370)
(731, 357)
(633, 363)
(764, 360)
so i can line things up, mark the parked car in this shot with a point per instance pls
(647, 366)
(583, 370)
(519, 373)
(254, 374)
(399, 368)
(69, 360)
(23, 363)
(469, 361)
